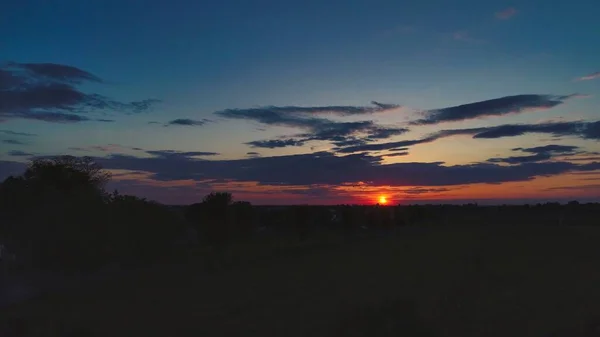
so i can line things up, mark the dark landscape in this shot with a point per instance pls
(226, 268)
(313, 168)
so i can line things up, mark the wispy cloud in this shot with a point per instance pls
(188, 122)
(589, 77)
(275, 143)
(397, 154)
(580, 129)
(18, 153)
(105, 148)
(466, 37)
(319, 129)
(330, 169)
(13, 142)
(272, 112)
(506, 13)
(51, 93)
(493, 107)
(15, 133)
(180, 154)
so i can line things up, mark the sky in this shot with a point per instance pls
(309, 102)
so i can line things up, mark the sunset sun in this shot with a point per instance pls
(383, 200)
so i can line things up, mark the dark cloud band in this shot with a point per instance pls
(50, 92)
(493, 107)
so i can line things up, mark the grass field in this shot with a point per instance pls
(527, 281)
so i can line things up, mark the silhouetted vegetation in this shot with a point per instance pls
(58, 216)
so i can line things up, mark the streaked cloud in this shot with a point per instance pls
(271, 113)
(51, 92)
(187, 122)
(15, 133)
(13, 142)
(330, 169)
(180, 154)
(493, 107)
(465, 36)
(319, 129)
(580, 129)
(589, 77)
(18, 153)
(506, 13)
(275, 143)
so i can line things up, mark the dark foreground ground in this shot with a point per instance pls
(528, 281)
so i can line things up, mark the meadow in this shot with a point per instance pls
(415, 281)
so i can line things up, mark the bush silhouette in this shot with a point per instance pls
(58, 212)
(61, 218)
(140, 230)
(212, 218)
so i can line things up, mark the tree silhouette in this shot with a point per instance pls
(58, 213)
(66, 173)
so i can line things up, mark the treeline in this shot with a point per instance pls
(58, 215)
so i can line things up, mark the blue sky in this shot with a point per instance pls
(201, 57)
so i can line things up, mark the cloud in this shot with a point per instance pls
(180, 154)
(329, 169)
(589, 77)
(57, 72)
(585, 130)
(597, 158)
(275, 143)
(53, 117)
(421, 190)
(580, 187)
(384, 133)
(397, 154)
(319, 129)
(384, 146)
(580, 129)
(554, 149)
(253, 154)
(14, 133)
(493, 107)
(506, 13)
(51, 93)
(77, 148)
(18, 153)
(105, 148)
(188, 122)
(522, 159)
(465, 36)
(104, 120)
(540, 153)
(273, 112)
(13, 142)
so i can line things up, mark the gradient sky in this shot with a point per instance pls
(286, 102)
